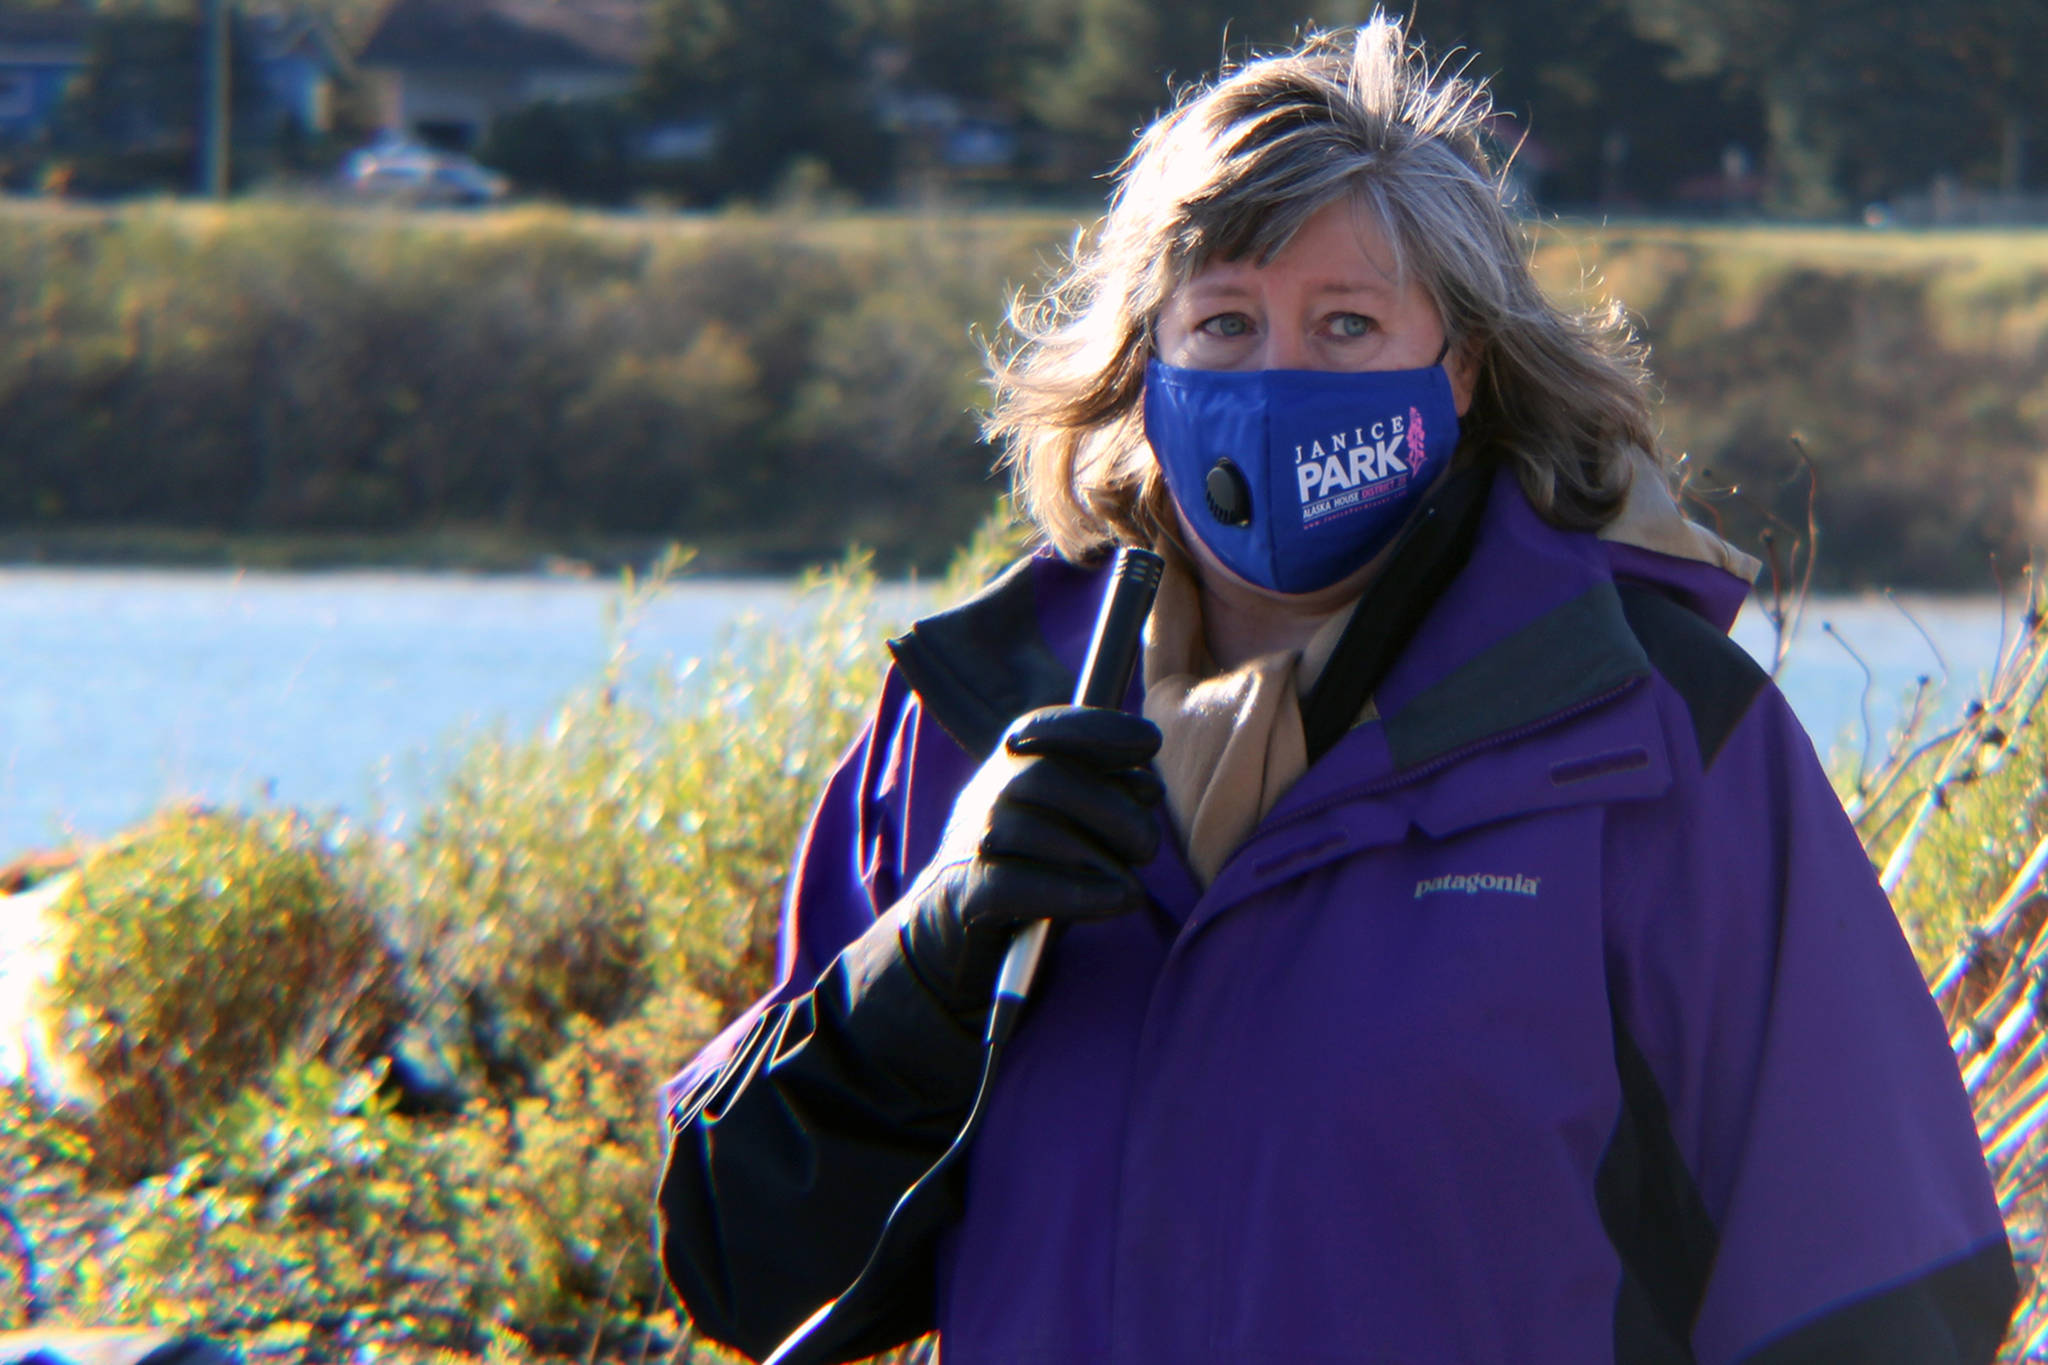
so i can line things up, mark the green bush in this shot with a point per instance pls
(198, 954)
(304, 1206)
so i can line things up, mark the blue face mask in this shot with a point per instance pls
(1295, 478)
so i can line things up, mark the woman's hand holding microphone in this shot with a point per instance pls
(1051, 828)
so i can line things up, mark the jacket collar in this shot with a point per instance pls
(1017, 644)
(1528, 634)
(1522, 690)
(1006, 650)
(1516, 604)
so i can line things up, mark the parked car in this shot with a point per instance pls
(407, 172)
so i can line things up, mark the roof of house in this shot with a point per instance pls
(63, 27)
(558, 34)
(62, 34)
(276, 34)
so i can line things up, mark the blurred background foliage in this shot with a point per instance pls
(758, 385)
(188, 380)
(1842, 102)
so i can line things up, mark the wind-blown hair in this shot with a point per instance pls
(1231, 174)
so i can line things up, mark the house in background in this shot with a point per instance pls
(40, 51)
(301, 62)
(443, 70)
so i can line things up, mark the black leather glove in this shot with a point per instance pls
(1051, 827)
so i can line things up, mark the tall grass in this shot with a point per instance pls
(1957, 822)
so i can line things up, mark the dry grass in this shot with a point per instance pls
(1957, 822)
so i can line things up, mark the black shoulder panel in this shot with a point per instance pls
(979, 665)
(1656, 1220)
(1567, 656)
(1715, 676)
(1953, 1315)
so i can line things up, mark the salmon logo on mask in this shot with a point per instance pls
(1295, 478)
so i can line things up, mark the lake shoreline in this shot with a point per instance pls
(354, 689)
(467, 550)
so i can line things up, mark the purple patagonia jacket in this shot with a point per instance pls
(1555, 1015)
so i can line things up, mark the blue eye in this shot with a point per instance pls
(1351, 325)
(1227, 325)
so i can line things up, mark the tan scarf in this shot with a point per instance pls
(1232, 743)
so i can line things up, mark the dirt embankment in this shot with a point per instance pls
(1911, 368)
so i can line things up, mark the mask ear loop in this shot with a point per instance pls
(1444, 351)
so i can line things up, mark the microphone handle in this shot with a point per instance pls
(1105, 677)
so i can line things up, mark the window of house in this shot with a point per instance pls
(17, 94)
(447, 135)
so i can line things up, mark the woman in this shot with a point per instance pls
(1483, 971)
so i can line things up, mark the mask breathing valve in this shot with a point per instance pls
(1229, 494)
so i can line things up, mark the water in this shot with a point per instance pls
(120, 690)
(1849, 712)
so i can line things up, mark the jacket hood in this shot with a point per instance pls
(1653, 542)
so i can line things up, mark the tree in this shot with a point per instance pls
(977, 50)
(2004, 44)
(1105, 80)
(1862, 97)
(1619, 125)
(783, 80)
(131, 118)
(1575, 73)
(579, 151)
(1108, 67)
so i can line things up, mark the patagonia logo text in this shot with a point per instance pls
(1472, 884)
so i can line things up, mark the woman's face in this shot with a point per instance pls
(1328, 300)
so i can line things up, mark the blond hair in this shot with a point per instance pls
(1231, 174)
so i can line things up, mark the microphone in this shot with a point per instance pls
(1105, 677)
